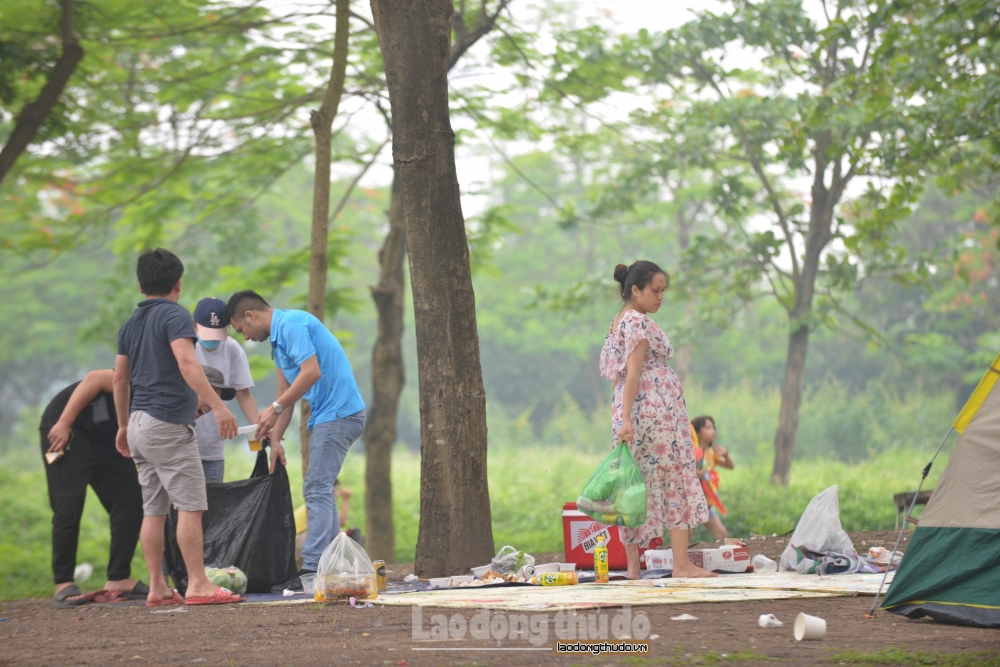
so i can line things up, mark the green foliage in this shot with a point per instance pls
(899, 655)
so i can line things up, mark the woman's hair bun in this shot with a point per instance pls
(621, 272)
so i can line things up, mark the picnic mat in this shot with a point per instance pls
(733, 588)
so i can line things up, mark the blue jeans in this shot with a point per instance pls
(328, 445)
(213, 470)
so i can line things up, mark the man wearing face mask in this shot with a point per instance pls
(215, 348)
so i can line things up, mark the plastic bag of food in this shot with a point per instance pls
(228, 577)
(345, 571)
(510, 561)
(616, 492)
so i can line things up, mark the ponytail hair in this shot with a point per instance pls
(639, 274)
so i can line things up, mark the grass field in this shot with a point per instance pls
(527, 490)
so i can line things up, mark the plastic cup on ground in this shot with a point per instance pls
(809, 628)
(762, 563)
(308, 584)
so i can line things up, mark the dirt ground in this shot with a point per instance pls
(32, 632)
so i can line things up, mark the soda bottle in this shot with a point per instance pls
(555, 579)
(600, 561)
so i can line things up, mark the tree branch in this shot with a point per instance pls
(465, 38)
(34, 114)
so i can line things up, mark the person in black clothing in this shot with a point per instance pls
(81, 423)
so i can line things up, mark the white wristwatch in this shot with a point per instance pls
(277, 408)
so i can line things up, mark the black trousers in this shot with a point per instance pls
(114, 480)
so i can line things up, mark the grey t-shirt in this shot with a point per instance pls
(158, 388)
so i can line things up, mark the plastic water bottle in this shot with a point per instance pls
(600, 561)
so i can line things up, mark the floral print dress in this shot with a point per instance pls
(662, 446)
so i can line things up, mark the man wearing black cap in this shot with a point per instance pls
(216, 349)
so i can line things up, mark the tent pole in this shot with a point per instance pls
(923, 478)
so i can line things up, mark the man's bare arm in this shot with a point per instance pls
(123, 396)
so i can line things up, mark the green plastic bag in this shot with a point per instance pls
(228, 577)
(616, 493)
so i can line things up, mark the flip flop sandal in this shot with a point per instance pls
(176, 599)
(220, 596)
(61, 598)
(139, 592)
(102, 596)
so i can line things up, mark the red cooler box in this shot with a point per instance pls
(580, 537)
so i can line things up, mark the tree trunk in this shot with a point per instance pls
(818, 236)
(322, 124)
(388, 376)
(33, 115)
(455, 524)
(791, 401)
(686, 351)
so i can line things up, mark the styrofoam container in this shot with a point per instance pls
(441, 582)
(567, 567)
(462, 579)
(478, 572)
(546, 567)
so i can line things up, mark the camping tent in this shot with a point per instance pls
(951, 569)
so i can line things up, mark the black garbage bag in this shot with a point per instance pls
(249, 524)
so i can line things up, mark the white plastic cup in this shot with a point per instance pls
(308, 584)
(809, 628)
(762, 563)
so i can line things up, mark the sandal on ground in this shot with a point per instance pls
(176, 599)
(105, 597)
(139, 592)
(61, 598)
(220, 596)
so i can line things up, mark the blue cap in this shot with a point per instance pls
(210, 313)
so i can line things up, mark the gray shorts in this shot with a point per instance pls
(169, 465)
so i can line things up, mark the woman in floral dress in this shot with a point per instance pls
(648, 412)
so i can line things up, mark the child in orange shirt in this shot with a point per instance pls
(710, 455)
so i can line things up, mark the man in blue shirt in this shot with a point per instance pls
(311, 365)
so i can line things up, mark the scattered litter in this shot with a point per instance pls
(136, 657)
(809, 628)
(410, 578)
(769, 621)
(363, 604)
(654, 637)
(762, 563)
(175, 610)
(400, 663)
(82, 572)
(684, 617)
(287, 592)
(366, 634)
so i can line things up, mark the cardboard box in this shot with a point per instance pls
(725, 559)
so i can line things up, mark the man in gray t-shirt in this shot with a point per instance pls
(157, 384)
